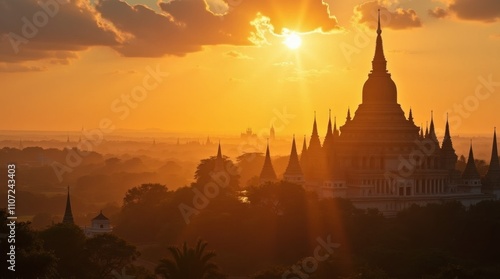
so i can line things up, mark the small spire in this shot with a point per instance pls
(219, 152)
(219, 161)
(267, 174)
(379, 64)
(493, 175)
(426, 129)
(68, 214)
(329, 127)
(293, 168)
(410, 116)
(432, 132)
(379, 30)
(348, 118)
(315, 127)
(470, 171)
(447, 129)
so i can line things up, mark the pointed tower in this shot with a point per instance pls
(410, 117)
(327, 143)
(293, 172)
(432, 132)
(470, 176)
(336, 132)
(448, 155)
(493, 175)
(426, 135)
(219, 161)
(303, 153)
(379, 88)
(314, 166)
(421, 131)
(314, 142)
(68, 214)
(348, 117)
(267, 174)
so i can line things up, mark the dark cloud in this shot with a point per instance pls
(187, 25)
(366, 13)
(438, 12)
(34, 30)
(37, 30)
(478, 10)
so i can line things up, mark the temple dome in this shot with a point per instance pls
(379, 89)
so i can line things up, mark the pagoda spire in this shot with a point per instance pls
(335, 130)
(293, 170)
(410, 117)
(449, 157)
(432, 132)
(68, 214)
(219, 161)
(315, 126)
(303, 153)
(329, 127)
(267, 174)
(348, 118)
(314, 143)
(470, 171)
(379, 64)
(329, 132)
(447, 129)
(494, 152)
(493, 174)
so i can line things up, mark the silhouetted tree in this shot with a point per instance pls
(107, 253)
(31, 261)
(189, 263)
(67, 242)
(205, 174)
(142, 213)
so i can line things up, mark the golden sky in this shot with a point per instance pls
(218, 67)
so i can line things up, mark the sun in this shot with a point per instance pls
(293, 41)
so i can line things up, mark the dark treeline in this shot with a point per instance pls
(277, 230)
(281, 223)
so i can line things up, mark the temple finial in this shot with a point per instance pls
(379, 30)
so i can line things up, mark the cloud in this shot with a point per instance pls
(477, 10)
(187, 25)
(237, 55)
(438, 12)
(36, 30)
(480, 10)
(366, 14)
(15, 68)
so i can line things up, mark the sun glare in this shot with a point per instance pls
(293, 41)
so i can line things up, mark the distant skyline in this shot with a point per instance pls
(193, 68)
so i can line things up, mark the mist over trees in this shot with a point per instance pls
(275, 230)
